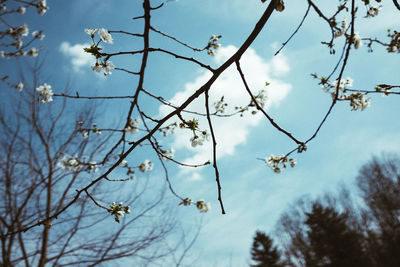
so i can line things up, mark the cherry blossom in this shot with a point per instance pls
(45, 93)
(202, 206)
(105, 36)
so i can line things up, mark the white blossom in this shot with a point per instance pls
(118, 210)
(18, 43)
(24, 30)
(169, 153)
(38, 34)
(91, 32)
(20, 86)
(359, 101)
(132, 126)
(42, 7)
(338, 33)
(21, 10)
(357, 40)
(202, 206)
(293, 163)
(146, 166)
(105, 36)
(97, 67)
(197, 140)
(69, 163)
(92, 166)
(107, 66)
(278, 162)
(373, 11)
(127, 209)
(349, 81)
(45, 93)
(33, 52)
(123, 163)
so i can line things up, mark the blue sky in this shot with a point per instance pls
(254, 196)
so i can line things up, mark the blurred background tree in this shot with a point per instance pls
(43, 160)
(263, 253)
(346, 230)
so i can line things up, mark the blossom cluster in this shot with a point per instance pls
(342, 30)
(213, 44)
(168, 153)
(86, 132)
(198, 140)
(220, 105)
(278, 162)
(132, 126)
(338, 90)
(169, 129)
(69, 163)
(383, 88)
(199, 137)
(358, 101)
(146, 166)
(73, 164)
(373, 11)
(260, 98)
(42, 7)
(354, 39)
(394, 45)
(17, 33)
(100, 65)
(118, 210)
(105, 66)
(201, 205)
(45, 93)
(105, 36)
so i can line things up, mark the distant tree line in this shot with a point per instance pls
(344, 230)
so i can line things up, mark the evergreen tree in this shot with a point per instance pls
(332, 242)
(263, 253)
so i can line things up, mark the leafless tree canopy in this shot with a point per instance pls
(35, 142)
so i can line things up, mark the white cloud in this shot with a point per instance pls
(232, 131)
(79, 58)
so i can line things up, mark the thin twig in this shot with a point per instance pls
(92, 97)
(261, 109)
(297, 29)
(176, 40)
(95, 202)
(217, 178)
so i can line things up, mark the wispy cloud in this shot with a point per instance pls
(232, 131)
(79, 58)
